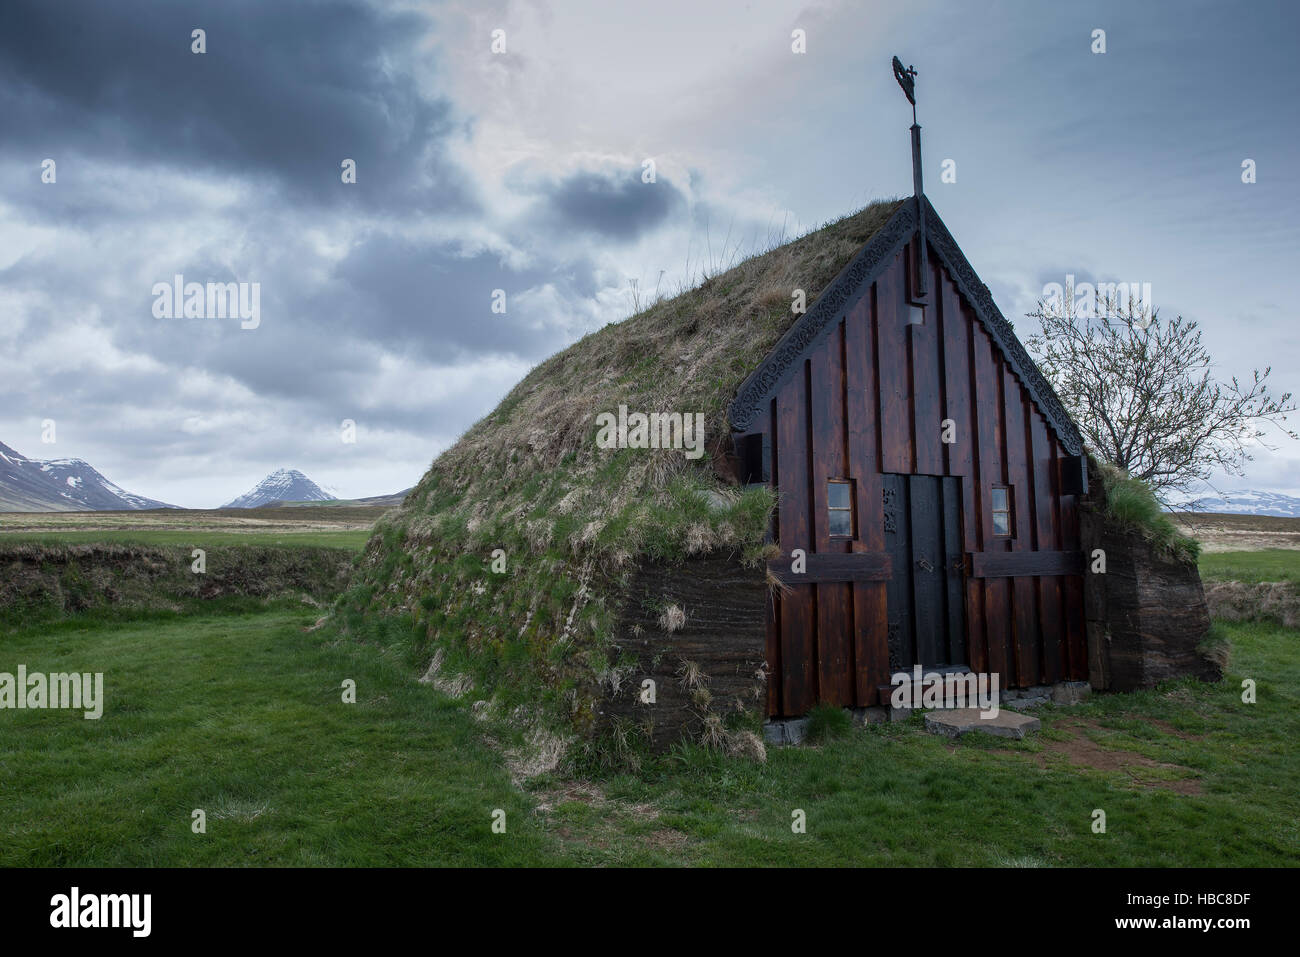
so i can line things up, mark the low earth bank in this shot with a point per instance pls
(41, 581)
(1254, 601)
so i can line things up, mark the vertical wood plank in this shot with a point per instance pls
(834, 681)
(926, 393)
(1072, 585)
(797, 619)
(901, 634)
(1024, 594)
(870, 649)
(894, 368)
(955, 626)
(1048, 539)
(988, 424)
(775, 697)
(961, 455)
(773, 655)
(929, 591)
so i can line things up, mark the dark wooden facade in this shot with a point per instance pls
(859, 392)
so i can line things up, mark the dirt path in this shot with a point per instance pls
(1081, 750)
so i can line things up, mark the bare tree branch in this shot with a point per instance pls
(1144, 396)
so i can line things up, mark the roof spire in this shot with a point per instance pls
(907, 81)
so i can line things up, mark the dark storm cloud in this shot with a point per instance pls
(616, 205)
(284, 93)
(431, 300)
(319, 339)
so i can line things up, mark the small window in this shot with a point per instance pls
(839, 507)
(1003, 524)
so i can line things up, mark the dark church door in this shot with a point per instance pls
(926, 611)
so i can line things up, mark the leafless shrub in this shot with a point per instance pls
(690, 677)
(672, 619)
(712, 733)
(1143, 394)
(746, 744)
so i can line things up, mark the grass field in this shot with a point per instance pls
(353, 539)
(235, 707)
(336, 526)
(241, 715)
(1269, 565)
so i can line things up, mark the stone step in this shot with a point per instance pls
(941, 677)
(954, 722)
(928, 677)
(794, 730)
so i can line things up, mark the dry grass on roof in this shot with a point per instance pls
(688, 353)
(528, 486)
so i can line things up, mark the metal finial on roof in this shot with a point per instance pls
(907, 81)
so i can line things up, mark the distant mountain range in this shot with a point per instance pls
(1250, 502)
(72, 485)
(61, 485)
(391, 500)
(282, 485)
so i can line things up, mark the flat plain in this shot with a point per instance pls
(342, 526)
(234, 706)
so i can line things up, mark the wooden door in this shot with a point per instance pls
(925, 603)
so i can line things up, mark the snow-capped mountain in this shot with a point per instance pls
(61, 485)
(282, 485)
(1249, 502)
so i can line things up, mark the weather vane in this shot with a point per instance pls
(907, 80)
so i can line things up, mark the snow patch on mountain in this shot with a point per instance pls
(282, 485)
(61, 485)
(1250, 502)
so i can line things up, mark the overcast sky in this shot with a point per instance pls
(521, 171)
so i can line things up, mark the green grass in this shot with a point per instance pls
(351, 539)
(1268, 565)
(893, 795)
(827, 723)
(1130, 503)
(240, 714)
(231, 706)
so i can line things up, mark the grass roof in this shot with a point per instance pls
(571, 519)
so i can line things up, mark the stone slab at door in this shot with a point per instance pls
(925, 594)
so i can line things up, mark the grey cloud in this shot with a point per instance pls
(612, 204)
(284, 93)
(436, 302)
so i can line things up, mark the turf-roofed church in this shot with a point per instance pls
(833, 496)
(927, 481)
